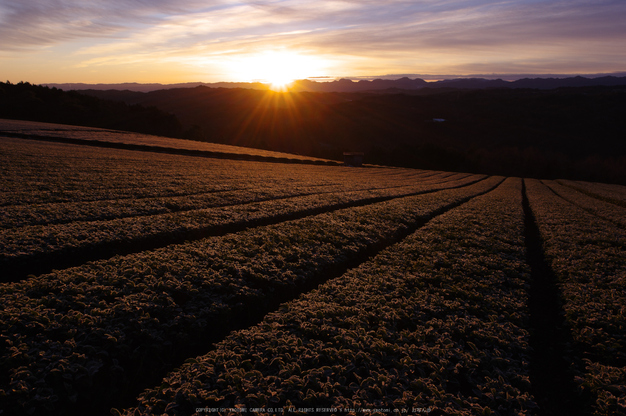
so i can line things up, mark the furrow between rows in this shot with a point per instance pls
(605, 210)
(40, 249)
(551, 356)
(615, 194)
(65, 213)
(435, 322)
(173, 151)
(586, 254)
(85, 338)
(39, 173)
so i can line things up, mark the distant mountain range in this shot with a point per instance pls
(137, 87)
(377, 85)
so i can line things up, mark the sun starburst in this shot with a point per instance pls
(277, 68)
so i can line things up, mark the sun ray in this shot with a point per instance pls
(277, 68)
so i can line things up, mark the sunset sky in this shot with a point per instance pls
(169, 41)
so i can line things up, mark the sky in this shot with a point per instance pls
(172, 41)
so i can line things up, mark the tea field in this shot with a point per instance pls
(146, 280)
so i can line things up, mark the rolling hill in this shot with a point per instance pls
(571, 132)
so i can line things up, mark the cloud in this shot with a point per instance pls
(523, 34)
(484, 25)
(406, 35)
(352, 24)
(35, 23)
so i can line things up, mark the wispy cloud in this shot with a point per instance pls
(398, 34)
(31, 23)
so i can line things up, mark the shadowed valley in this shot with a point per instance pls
(573, 132)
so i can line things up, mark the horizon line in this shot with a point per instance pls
(425, 77)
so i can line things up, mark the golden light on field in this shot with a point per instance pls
(277, 68)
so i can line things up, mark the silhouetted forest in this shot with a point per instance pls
(25, 101)
(573, 133)
(565, 132)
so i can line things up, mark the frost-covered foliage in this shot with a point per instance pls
(606, 210)
(434, 321)
(130, 200)
(251, 206)
(96, 325)
(588, 257)
(438, 318)
(609, 192)
(90, 134)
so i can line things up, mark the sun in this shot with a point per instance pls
(278, 68)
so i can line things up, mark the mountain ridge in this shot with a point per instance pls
(379, 84)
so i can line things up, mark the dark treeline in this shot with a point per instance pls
(575, 133)
(567, 132)
(25, 101)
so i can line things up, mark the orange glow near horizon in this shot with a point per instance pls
(277, 68)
